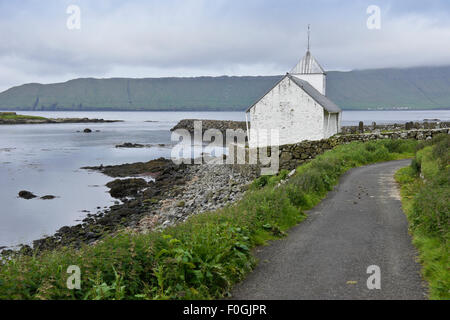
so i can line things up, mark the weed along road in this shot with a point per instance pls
(355, 239)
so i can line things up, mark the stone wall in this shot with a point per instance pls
(395, 127)
(293, 155)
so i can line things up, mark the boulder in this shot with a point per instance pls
(121, 188)
(26, 195)
(285, 156)
(130, 145)
(48, 197)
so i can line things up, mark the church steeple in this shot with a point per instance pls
(310, 70)
(309, 34)
(308, 64)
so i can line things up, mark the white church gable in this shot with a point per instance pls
(290, 110)
(296, 107)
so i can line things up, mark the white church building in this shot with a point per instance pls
(296, 107)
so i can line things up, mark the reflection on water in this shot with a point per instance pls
(46, 159)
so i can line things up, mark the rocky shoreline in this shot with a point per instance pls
(50, 120)
(152, 195)
(222, 125)
(130, 145)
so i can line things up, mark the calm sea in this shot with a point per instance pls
(46, 159)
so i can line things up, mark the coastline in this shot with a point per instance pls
(157, 194)
(56, 121)
(12, 118)
(216, 245)
(151, 196)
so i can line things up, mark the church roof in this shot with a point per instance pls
(322, 100)
(326, 103)
(307, 65)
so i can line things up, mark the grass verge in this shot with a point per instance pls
(201, 258)
(425, 190)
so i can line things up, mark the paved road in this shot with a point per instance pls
(359, 224)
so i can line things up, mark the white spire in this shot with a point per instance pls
(308, 64)
(309, 34)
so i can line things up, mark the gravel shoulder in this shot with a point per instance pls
(359, 224)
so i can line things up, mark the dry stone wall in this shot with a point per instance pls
(394, 127)
(293, 155)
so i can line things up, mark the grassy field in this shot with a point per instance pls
(201, 258)
(425, 195)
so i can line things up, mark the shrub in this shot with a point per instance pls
(441, 150)
(298, 197)
(400, 146)
(260, 182)
(430, 210)
(415, 165)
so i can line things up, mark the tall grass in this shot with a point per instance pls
(425, 196)
(201, 258)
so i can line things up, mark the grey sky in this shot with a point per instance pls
(213, 37)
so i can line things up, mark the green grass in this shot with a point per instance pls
(20, 117)
(425, 190)
(201, 258)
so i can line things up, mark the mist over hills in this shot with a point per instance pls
(412, 88)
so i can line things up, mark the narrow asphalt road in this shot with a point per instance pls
(359, 224)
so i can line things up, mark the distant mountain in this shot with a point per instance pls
(414, 88)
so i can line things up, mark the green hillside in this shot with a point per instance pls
(202, 93)
(415, 88)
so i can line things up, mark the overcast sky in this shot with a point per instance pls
(145, 38)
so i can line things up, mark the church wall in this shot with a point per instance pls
(339, 122)
(291, 111)
(330, 126)
(318, 81)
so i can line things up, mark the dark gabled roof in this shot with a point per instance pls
(322, 100)
(326, 103)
